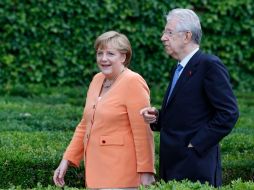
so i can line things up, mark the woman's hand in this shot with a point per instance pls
(147, 178)
(60, 173)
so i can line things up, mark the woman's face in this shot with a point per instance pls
(110, 61)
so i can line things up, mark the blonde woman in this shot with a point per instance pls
(116, 144)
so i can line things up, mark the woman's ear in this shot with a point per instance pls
(123, 58)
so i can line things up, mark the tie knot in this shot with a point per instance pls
(179, 67)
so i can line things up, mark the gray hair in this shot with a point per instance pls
(187, 21)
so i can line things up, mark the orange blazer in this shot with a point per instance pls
(112, 137)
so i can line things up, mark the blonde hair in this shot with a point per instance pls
(119, 41)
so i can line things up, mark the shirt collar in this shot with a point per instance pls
(188, 57)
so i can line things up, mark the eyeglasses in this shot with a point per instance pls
(170, 33)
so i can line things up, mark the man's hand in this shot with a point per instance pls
(150, 114)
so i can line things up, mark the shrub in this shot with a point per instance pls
(28, 158)
(51, 42)
(35, 130)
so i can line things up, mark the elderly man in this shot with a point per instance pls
(199, 107)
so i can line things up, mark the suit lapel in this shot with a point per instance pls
(186, 74)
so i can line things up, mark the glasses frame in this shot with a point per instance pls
(171, 33)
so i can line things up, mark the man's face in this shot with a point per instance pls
(173, 40)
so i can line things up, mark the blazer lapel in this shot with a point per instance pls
(188, 71)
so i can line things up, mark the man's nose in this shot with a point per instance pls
(163, 38)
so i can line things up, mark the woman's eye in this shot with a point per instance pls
(110, 53)
(99, 53)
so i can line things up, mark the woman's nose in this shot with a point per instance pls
(104, 57)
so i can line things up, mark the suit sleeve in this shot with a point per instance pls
(138, 98)
(220, 95)
(156, 126)
(75, 151)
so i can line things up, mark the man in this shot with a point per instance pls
(199, 108)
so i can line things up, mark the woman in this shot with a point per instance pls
(113, 139)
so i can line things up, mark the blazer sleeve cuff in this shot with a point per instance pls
(147, 170)
(72, 162)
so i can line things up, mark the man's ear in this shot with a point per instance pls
(188, 36)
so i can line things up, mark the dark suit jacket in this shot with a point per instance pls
(202, 109)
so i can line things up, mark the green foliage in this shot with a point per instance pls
(32, 158)
(172, 185)
(36, 127)
(187, 185)
(238, 154)
(49, 111)
(238, 147)
(51, 42)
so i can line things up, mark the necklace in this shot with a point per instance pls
(108, 83)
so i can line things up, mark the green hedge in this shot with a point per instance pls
(32, 157)
(31, 116)
(238, 155)
(51, 42)
(28, 158)
(172, 185)
(36, 127)
(187, 185)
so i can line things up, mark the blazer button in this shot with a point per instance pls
(103, 141)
